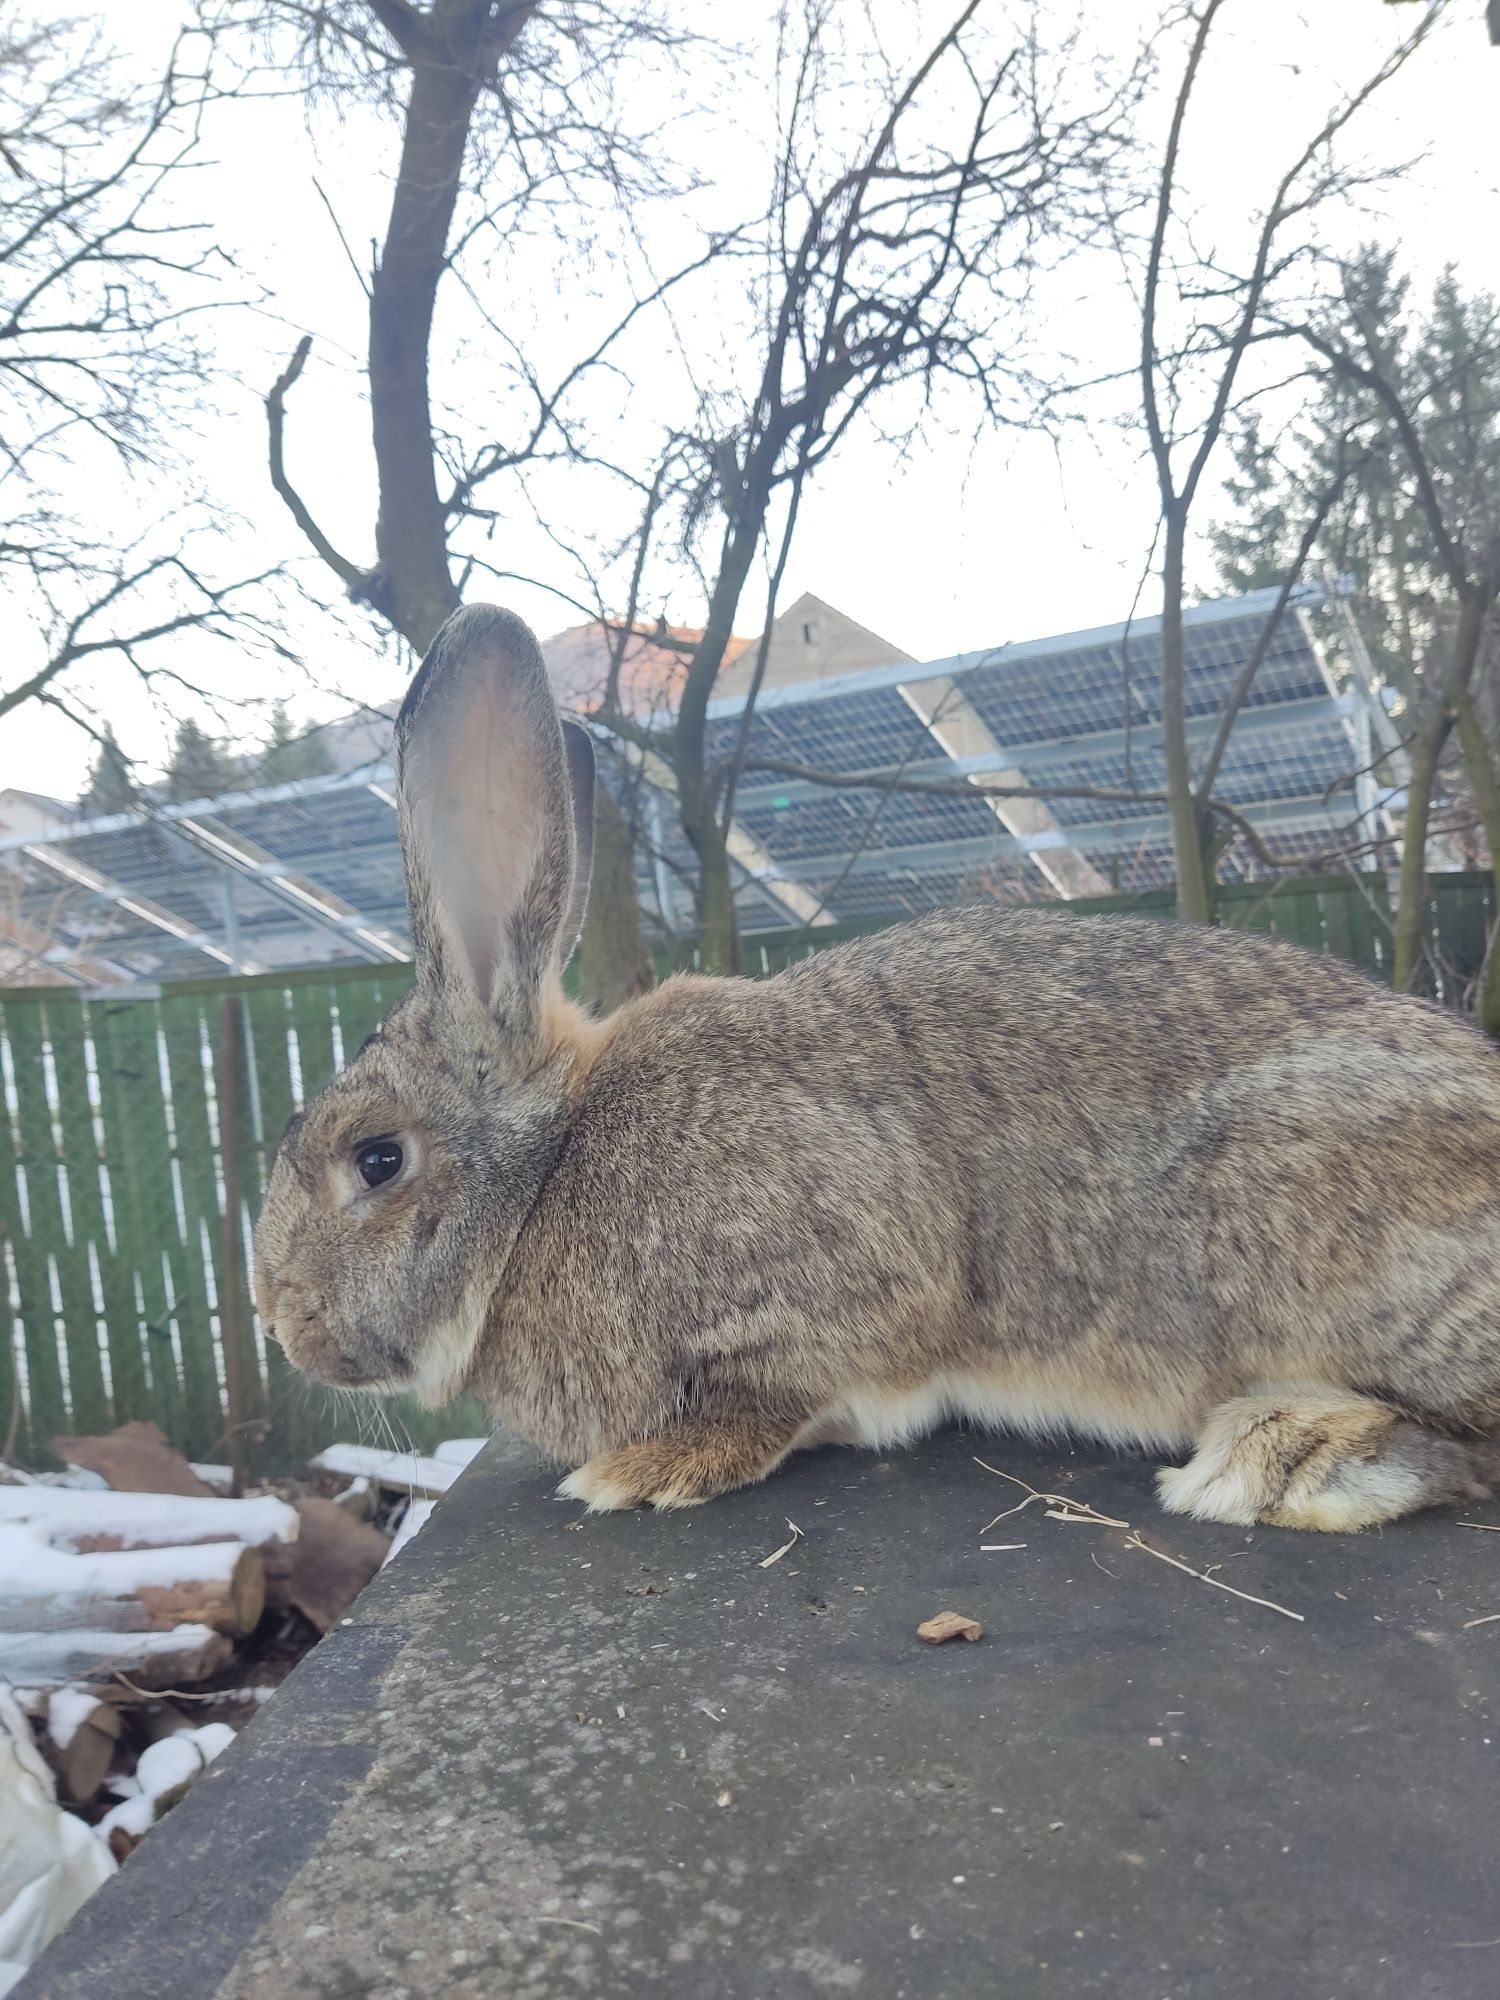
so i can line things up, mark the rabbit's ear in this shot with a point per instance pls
(578, 748)
(487, 814)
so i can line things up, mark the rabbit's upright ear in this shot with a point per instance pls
(578, 748)
(492, 806)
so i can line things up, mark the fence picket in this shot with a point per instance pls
(49, 1363)
(94, 1400)
(138, 1148)
(183, 1028)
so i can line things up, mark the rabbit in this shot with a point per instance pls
(1181, 1190)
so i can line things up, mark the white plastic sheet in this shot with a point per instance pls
(50, 1863)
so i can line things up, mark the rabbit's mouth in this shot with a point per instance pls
(343, 1375)
(336, 1371)
(314, 1352)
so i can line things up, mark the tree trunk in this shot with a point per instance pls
(414, 587)
(613, 962)
(1479, 763)
(718, 927)
(718, 922)
(1424, 752)
(1194, 881)
(452, 50)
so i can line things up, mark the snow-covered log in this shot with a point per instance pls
(401, 1471)
(97, 1522)
(218, 1584)
(82, 1732)
(155, 1661)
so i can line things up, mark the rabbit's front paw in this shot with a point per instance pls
(687, 1465)
(638, 1475)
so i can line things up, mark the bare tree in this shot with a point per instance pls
(1441, 405)
(101, 289)
(893, 263)
(507, 119)
(1198, 362)
(510, 122)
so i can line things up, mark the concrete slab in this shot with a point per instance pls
(625, 1759)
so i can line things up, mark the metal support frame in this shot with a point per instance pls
(1115, 835)
(1035, 760)
(745, 852)
(1031, 831)
(666, 889)
(234, 855)
(1221, 611)
(232, 923)
(157, 915)
(954, 722)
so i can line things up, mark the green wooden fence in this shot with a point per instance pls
(126, 1299)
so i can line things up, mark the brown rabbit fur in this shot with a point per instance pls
(1173, 1188)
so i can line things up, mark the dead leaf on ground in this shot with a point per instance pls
(136, 1458)
(949, 1625)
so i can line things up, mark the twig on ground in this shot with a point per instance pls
(1134, 1541)
(168, 1694)
(1058, 1507)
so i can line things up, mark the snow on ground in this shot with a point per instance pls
(52, 1859)
(163, 1773)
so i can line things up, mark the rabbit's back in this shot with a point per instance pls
(1153, 1159)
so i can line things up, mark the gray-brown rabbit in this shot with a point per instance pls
(1175, 1188)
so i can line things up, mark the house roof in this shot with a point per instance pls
(653, 666)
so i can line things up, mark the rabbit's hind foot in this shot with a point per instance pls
(1318, 1458)
(692, 1462)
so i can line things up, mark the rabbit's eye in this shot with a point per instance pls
(378, 1162)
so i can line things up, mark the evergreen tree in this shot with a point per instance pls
(199, 768)
(1408, 404)
(1444, 366)
(288, 753)
(111, 786)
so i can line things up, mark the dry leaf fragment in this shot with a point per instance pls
(949, 1625)
(776, 1554)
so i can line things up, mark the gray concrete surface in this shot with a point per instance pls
(624, 1759)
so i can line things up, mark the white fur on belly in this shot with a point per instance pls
(1022, 1401)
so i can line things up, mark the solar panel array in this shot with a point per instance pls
(311, 874)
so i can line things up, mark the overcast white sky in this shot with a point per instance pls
(966, 543)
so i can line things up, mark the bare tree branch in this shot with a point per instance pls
(348, 573)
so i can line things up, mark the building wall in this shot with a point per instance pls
(811, 641)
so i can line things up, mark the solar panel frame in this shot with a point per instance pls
(1081, 710)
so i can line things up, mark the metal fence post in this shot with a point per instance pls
(232, 1299)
